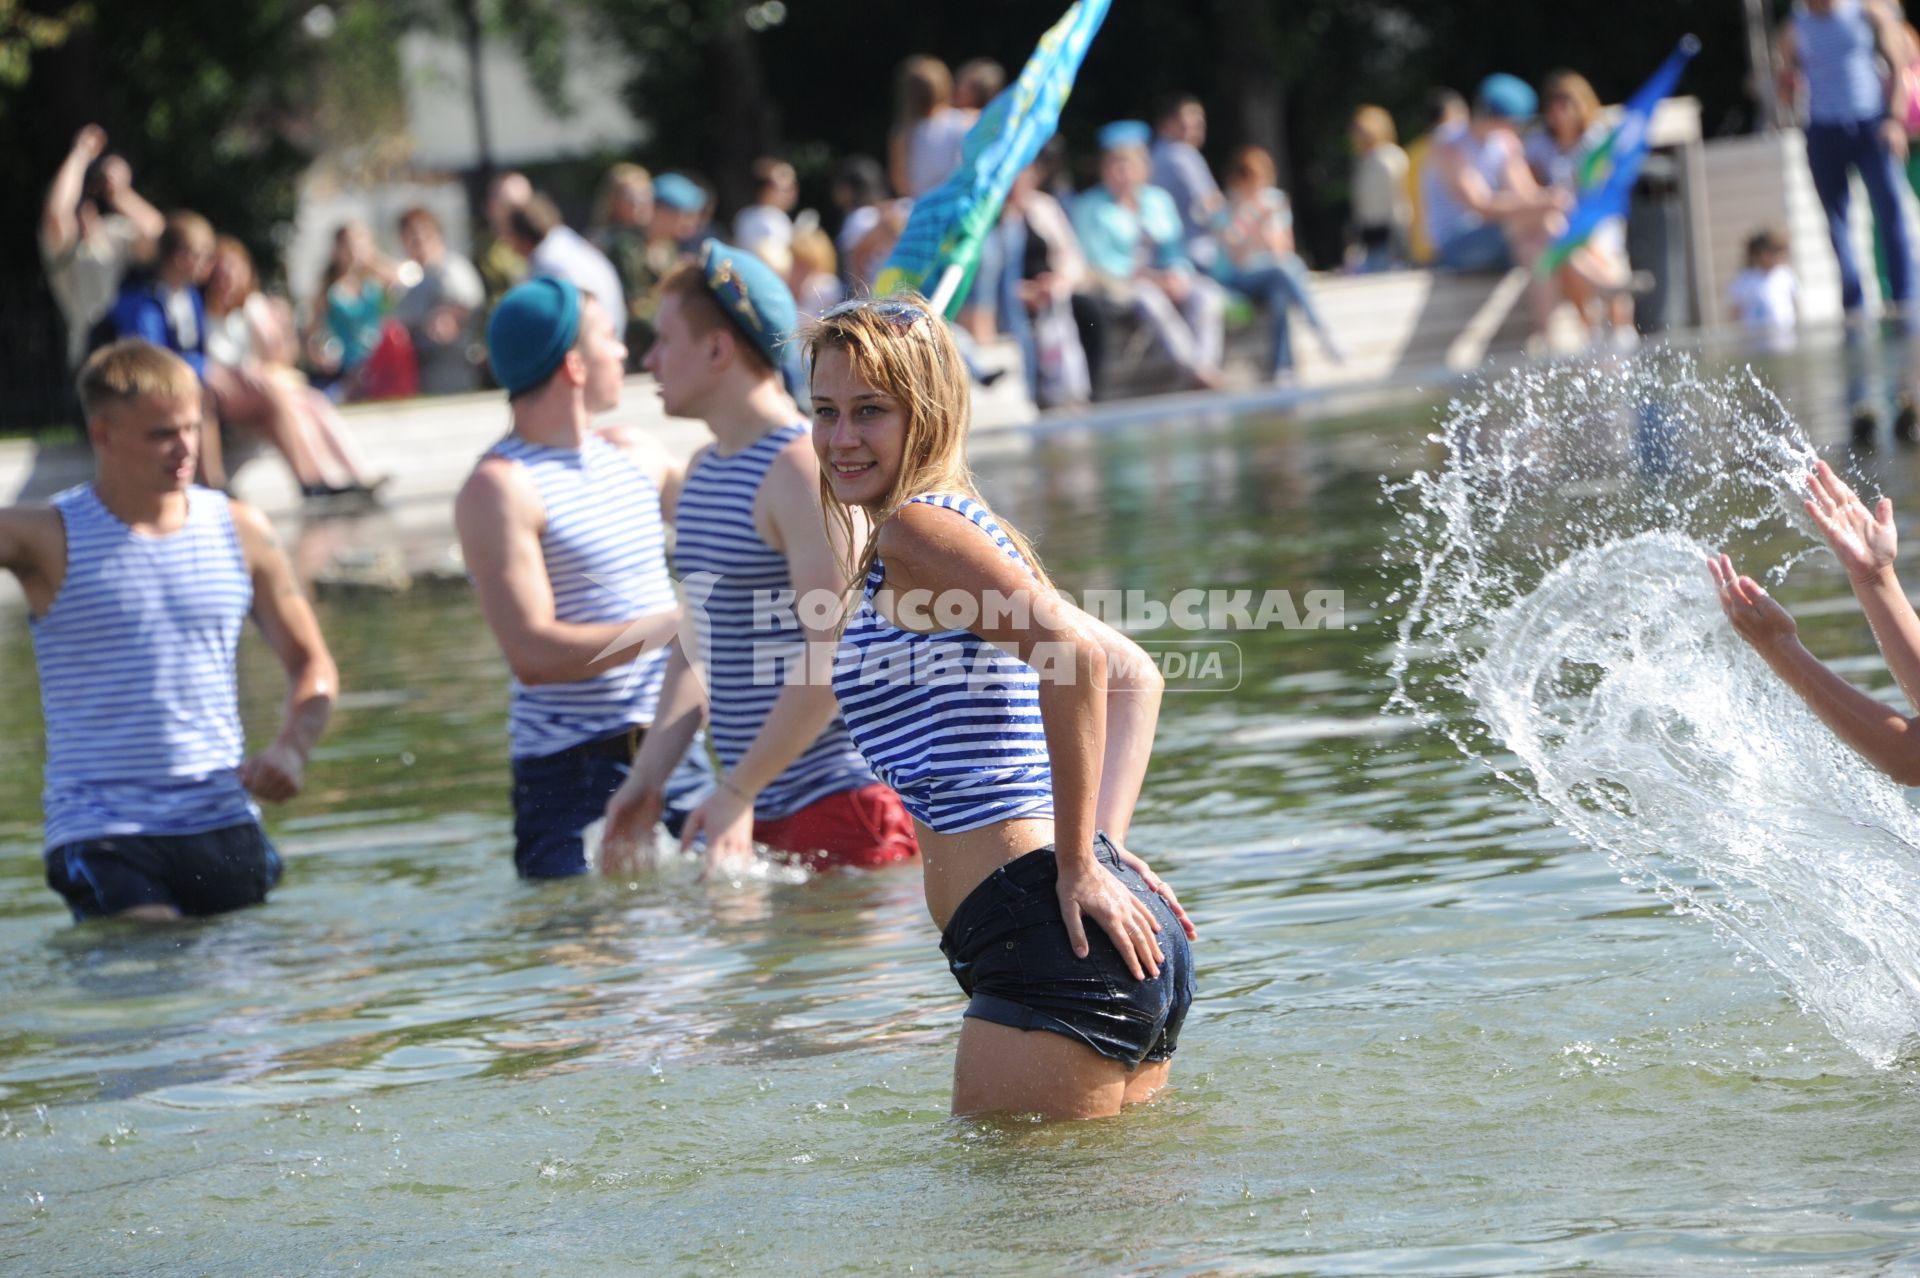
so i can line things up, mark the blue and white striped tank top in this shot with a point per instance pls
(741, 595)
(1837, 55)
(1447, 219)
(606, 555)
(951, 722)
(136, 660)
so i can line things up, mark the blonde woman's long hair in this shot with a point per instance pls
(899, 346)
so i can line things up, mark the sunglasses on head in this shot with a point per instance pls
(896, 311)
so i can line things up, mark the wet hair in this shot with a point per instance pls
(901, 347)
(132, 369)
(1375, 125)
(688, 282)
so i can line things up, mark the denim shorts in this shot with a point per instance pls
(197, 874)
(1007, 946)
(557, 796)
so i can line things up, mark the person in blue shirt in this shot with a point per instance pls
(1135, 244)
(165, 307)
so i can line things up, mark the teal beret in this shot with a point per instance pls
(531, 331)
(1507, 97)
(678, 192)
(752, 295)
(1125, 133)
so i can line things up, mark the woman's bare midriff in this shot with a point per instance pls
(955, 864)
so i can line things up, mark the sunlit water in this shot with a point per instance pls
(1437, 1031)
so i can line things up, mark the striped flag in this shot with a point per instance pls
(1606, 178)
(940, 246)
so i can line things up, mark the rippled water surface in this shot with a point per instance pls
(1436, 1032)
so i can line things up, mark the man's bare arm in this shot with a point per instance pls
(288, 624)
(497, 516)
(59, 225)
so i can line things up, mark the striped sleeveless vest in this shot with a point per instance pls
(951, 722)
(136, 659)
(605, 551)
(742, 595)
(1837, 54)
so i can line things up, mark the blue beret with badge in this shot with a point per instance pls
(755, 300)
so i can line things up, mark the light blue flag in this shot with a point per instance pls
(940, 246)
(1606, 179)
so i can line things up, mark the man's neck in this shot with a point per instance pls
(551, 420)
(744, 421)
(139, 507)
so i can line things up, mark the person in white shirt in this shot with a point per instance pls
(1765, 297)
(769, 219)
(552, 248)
(94, 226)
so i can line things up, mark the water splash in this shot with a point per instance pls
(1559, 626)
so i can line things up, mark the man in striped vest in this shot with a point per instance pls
(562, 532)
(137, 586)
(752, 535)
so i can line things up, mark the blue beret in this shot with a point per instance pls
(531, 331)
(753, 296)
(677, 192)
(1125, 133)
(1507, 97)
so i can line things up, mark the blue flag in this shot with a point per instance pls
(1606, 179)
(943, 234)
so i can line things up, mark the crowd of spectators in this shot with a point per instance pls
(1156, 246)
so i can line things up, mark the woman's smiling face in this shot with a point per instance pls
(859, 431)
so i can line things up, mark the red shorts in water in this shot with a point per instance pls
(866, 827)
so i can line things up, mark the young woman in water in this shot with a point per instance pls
(1015, 728)
(1864, 540)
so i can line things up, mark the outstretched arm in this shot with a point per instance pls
(287, 621)
(635, 808)
(806, 705)
(1885, 738)
(1865, 543)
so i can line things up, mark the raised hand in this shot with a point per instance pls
(1755, 615)
(90, 141)
(1864, 541)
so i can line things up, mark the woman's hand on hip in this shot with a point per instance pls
(1095, 894)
